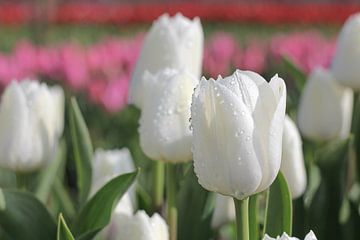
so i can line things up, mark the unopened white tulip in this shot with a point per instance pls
(325, 109)
(345, 66)
(108, 164)
(138, 227)
(224, 211)
(31, 122)
(237, 132)
(292, 162)
(172, 42)
(164, 122)
(309, 236)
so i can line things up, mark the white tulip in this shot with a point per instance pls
(325, 109)
(345, 65)
(164, 122)
(237, 132)
(31, 123)
(309, 236)
(172, 42)
(138, 227)
(108, 164)
(292, 162)
(224, 211)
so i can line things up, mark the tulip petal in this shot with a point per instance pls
(230, 169)
(274, 134)
(320, 112)
(164, 123)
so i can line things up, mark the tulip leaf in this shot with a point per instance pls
(195, 206)
(63, 231)
(332, 160)
(48, 175)
(96, 213)
(298, 75)
(82, 150)
(23, 216)
(278, 217)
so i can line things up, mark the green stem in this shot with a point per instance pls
(64, 198)
(21, 181)
(171, 202)
(253, 223)
(242, 218)
(158, 185)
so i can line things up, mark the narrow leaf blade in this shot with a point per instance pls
(63, 231)
(278, 217)
(96, 213)
(82, 150)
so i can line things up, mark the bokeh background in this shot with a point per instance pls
(91, 47)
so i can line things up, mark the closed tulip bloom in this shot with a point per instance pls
(292, 162)
(325, 109)
(172, 42)
(108, 164)
(345, 65)
(309, 236)
(31, 123)
(164, 122)
(138, 227)
(237, 132)
(224, 211)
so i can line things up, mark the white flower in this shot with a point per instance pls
(164, 122)
(325, 109)
(309, 236)
(31, 123)
(345, 66)
(108, 164)
(224, 211)
(292, 162)
(138, 227)
(237, 132)
(172, 42)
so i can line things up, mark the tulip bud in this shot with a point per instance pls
(325, 109)
(138, 227)
(108, 164)
(237, 132)
(345, 65)
(292, 162)
(309, 236)
(31, 123)
(172, 42)
(224, 211)
(164, 122)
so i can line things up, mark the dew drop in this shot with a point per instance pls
(235, 113)
(218, 94)
(242, 113)
(247, 138)
(241, 132)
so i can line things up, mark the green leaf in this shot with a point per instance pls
(48, 175)
(332, 160)
(278, 217)
(195, 206)
(22, 216)
(96, 213)
(82, 149)
(298, 75)
(63, 232)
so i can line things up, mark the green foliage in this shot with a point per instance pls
(195, 206)
(96, 213)
(22, 216)
(82, 149)
(63, 231)
(278, 217)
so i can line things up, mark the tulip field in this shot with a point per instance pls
(180, 129)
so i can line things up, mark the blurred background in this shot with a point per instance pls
(91, 47)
